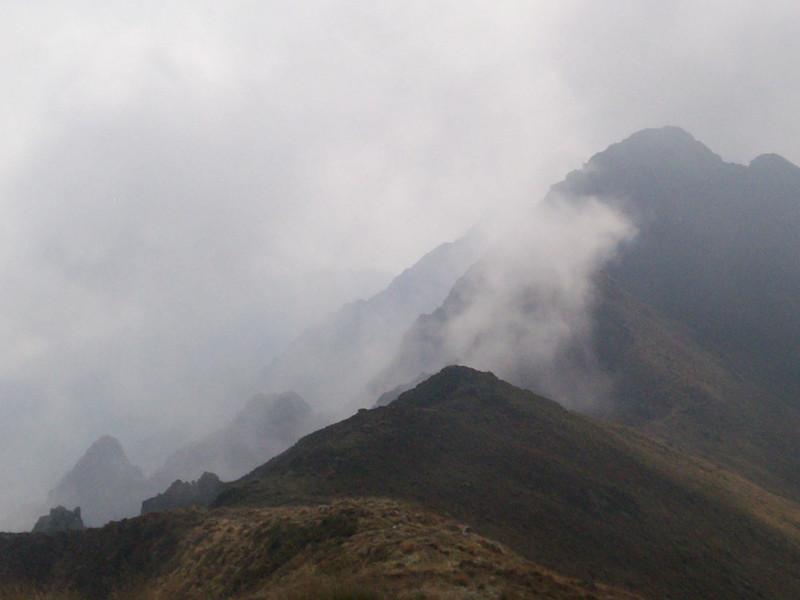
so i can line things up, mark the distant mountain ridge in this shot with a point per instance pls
(332, 363)
(677, 480)
(693, 324)
(103, 483)
(107, 487)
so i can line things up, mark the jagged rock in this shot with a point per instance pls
(59, 519)
(183, 493)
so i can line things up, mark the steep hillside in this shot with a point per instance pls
(371, 549)
(662, 381)
(582, 498)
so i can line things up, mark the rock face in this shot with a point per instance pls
(59, 519)
(183, 493)
(103, 483)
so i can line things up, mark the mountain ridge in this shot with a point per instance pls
(332, 363)
(559, 488)
(713, 272)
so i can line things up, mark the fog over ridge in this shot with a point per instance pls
(524, 310)
(185, 187)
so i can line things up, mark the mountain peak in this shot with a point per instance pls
(666, 147)
(555, 486)
(451, 381)
(106, 447)
(671, 145)
(103, 483)
(668, 156)
(774, 166)
(666, 134)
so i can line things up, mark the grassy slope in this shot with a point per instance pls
(357, 549)
(666, 385)
(590, 500)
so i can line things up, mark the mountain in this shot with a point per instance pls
(369, 549)
(586, 499)
(332, 363)
(59, 519)
(268, 424)
(103, 483)
(106, 486)
(655, 291)
(717, 249)
(465, 459)
(687, 330)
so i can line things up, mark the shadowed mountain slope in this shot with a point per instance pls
(691, 327)
(717, 249)
(586, 499)
(664, 382)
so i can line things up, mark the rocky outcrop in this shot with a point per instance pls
(59, 519)
(183, 493)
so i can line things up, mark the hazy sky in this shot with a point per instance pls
(167, 168)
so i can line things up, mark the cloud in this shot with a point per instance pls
(168, 169)
(524, 311)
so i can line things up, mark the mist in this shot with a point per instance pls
(524, 310)
(185, 188)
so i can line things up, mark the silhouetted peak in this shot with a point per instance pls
(774, 165)
(107, 447)
(666, 146)
(669, 134)
(103, 483)
(459, 374)
(105, 459)
(184, 493)
(59, 519)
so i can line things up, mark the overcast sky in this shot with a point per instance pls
(167, 168)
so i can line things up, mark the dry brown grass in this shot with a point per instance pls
(354, 549)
